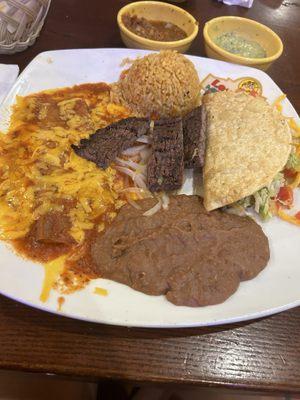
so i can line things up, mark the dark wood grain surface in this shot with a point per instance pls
(260, 355)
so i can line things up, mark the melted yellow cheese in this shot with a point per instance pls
(40, 172)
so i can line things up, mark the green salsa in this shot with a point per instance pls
(235, 44)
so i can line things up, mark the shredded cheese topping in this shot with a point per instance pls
(39, 171)
(52, 271)
(288, 218)
(100, 291)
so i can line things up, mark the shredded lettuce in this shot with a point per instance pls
(293, 162)
(263, 198)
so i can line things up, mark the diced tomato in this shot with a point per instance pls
(289, 173)
(297, 215)
(254, 93)
(278, 205)
(285, 196)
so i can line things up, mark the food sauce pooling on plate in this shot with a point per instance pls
(155, 30)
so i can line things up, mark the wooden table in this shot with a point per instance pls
(263, 355)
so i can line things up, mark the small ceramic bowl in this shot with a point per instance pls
(248, 29)
(158, 11)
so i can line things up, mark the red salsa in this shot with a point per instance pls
(155, 30)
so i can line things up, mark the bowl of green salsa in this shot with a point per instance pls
(241, 41)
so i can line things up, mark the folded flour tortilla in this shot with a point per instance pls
(248, 143)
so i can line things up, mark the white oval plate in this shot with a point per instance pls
(275, 289)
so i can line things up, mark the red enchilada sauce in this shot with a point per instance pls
(47, 239)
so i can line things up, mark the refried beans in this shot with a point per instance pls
(194, 257)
